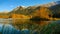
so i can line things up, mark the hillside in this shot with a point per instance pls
(4, 15)
(33, 11)
(56, 10)
(42, 11)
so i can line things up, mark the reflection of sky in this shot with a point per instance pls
(9, 29)
(1, 27)
(10, 4)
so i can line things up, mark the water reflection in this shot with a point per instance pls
(53, 27)
(8, 29)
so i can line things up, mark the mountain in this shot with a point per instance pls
(49, 10)
(49, 4)
(56, 9)
(22, 10)
(58, 2)
(39, 11)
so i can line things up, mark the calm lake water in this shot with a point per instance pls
(6, 27)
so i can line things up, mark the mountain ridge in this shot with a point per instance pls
(36, 10)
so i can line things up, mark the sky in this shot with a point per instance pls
(8, 5)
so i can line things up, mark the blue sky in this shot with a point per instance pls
(11, 4)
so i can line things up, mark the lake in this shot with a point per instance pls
(6, 27)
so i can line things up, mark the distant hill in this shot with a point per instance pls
(4, 15)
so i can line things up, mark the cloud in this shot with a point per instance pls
(11, 6)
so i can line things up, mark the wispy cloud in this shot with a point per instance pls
(11, 6)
